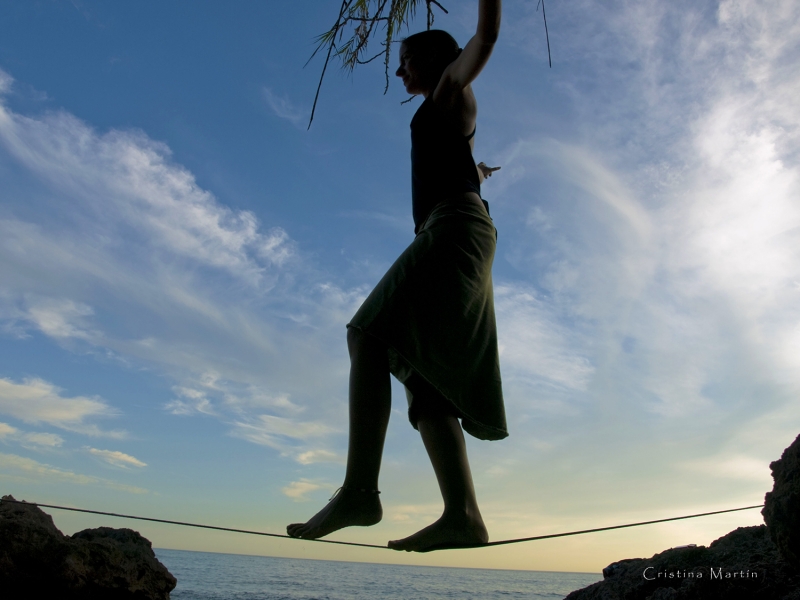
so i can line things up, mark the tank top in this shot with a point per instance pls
(441, 161)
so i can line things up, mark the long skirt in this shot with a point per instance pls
(434, 310)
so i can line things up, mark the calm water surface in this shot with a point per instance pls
(206, 576)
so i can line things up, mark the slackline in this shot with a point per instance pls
(279, 535)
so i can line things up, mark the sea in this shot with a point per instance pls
(208, 576)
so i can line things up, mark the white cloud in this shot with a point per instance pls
(650, 312)
(32, 468)
(317, 456)
(190, 402)
(48, 440)
(257, 398)
(126, 181)
(292, 428)
(276, 246)
(414, 513)
(116, 458)
(59, 318)
(37, 401)
(654, 244)
(142, 244)
(297, 490)
(278, 432)
(285, 109)
(34, 440)
(601, 183)
(534, 343)
(6, 81)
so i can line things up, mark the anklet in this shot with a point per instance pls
(353, 489)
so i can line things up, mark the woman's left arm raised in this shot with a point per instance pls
(463, 70)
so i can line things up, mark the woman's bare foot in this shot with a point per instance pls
(450, 531)
(348, 507)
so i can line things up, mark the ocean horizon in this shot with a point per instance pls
(216, 576)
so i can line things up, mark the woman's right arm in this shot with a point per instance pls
(463, 70)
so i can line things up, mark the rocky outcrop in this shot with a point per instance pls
(750, 563)
(742, 565)
(37, 560)
(782, 505)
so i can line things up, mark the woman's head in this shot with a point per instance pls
(423, 58)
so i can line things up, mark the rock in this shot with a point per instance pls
(751, 563)
(37, 560)
(782, 505)
(742, 565)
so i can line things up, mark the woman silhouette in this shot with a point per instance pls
(430, 321)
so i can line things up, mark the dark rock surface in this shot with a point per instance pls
(37, 560)
(782, 505)
(742, 565)
(750, 563)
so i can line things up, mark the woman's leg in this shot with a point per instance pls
(461, 523)
(370, 407)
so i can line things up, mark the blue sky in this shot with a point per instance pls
(179, 258)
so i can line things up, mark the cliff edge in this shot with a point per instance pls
(750, 563)
(37, 560)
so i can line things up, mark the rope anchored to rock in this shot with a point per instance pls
(279, 535)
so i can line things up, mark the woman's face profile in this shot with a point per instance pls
(411, 73)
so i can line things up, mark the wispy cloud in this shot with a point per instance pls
(280, 433)
(6, 82)
(32, 440)
(534, 343)
(297, 490)
(37, 401)
(647, 271)
(285, 108)
(132, 175)
(42, 440)
(116, 458)
(231, 397)
(37, 470)
(59, 318)
(6, 430)
(652, 297)
(413, 513)
(190, 402)
(143, 243)
(317, 456)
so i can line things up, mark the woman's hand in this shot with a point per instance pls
(485, 171)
